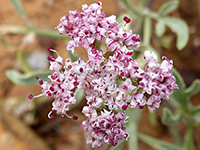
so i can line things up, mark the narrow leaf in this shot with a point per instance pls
(170, 119)
(79, 96)
(73, 56)
(20, 9)
(26, 79)
(157, 144)
(194, 88)
(179, 96)
(188, 140)
(168, 7)
(118, 146)
(22, 61)
(181, 29)
(6, 29)
(134, 118)
(195, 111)
(179, 79)
(160, 28)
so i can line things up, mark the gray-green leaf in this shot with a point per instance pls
(157, 144)
(188, 140)
(20, 9)
(73, 56)
(160, 28)
(168, 7)
(194, 88)
(181, 29)
(195, 111)
(170, 119)
(27, 78)
(79, 96)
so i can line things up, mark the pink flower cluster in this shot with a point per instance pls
(90, 25)
(112, 79)
(106, 127)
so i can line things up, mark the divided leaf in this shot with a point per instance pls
(27, 78)
(170, 119)
(79, 96)
(73, 56)
(19, 7)
(194, 88)
(181, 29)
(160, 28)
(168, 7)
(188, 140)
(157, 144)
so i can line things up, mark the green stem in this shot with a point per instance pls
(134, 118)
(132, 8)
(176, 135)
(147, 31)
(143, 4)
(25, 30)
(188, 140)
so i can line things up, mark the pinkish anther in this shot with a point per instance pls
(81, 69)
(40, 82)
(51, 58)
(75, 117)
(127, 20)
(30, 96)
(94, 51)
(49, 49)
(124, 107)
(53, 117)
(51, 88)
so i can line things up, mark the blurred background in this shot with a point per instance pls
(27, 29)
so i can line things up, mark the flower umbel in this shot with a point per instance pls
(110, 78)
